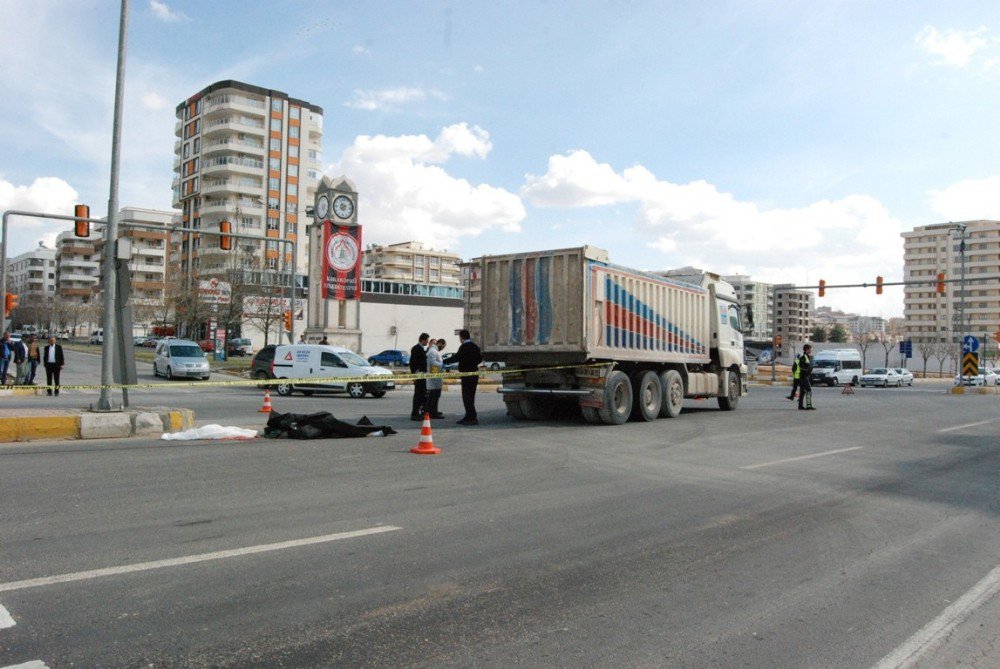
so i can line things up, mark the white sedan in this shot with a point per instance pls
(881, 376)
(906, 374)
(986, 377)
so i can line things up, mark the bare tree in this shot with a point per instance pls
(942, 351)
(926, 350)
(864, 339)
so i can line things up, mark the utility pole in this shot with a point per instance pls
(111, 230)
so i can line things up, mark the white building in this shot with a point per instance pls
(411, 262)
(759, 297)
(32, 274)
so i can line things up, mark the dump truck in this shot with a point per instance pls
(621, 343)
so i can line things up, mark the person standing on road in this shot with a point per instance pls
(34, 359)
(54, 361)
(20, 357)
(435, 365)
(795, 376)
(805, 383)
(6, 352)
(418, 365)
(324, 341)
(469, 356)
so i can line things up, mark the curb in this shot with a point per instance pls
(86, 425)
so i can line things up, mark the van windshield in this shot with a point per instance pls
(186, 351)
(825, 363)
(354, 359)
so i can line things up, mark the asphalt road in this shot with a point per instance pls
(765, 537)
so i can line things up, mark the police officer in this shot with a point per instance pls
(805, 384)
(795, 377)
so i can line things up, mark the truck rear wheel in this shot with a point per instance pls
(646, 396)
(533, 408)
(591, 415)
(673, 393)
(731, 400)
(514, 409)
(617, 399)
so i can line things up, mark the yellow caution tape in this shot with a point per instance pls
(301, 381)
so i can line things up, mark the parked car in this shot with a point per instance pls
(495, 366)
(391, 357)
(97, 337)
(986, 377)
(151, 342)
(906, 374)
(179, 358)
(260, 366)
(139, 341)
(239, 346)
(881, 376)
(450, 364)
(207, 345)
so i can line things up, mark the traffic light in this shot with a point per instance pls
(878, 285)
(9, 304)
(81, 228)
(288, 320)
(225, 241)
(940, 283)
(822, 288)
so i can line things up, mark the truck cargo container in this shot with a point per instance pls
(619, 342)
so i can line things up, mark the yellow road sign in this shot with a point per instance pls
(970, 364)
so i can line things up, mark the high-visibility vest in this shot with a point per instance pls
(795, 369)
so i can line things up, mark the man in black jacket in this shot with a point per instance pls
(53, 360)
(418, 365)
(805, 383)
(468, 356)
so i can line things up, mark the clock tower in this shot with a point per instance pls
(335, 255)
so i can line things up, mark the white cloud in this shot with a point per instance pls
(849, 240)
(971, 200)
(392, 99)
(406, 195)
(154, 101)
(953, 47)
(164, 13)
(48, 195)
(359, 49)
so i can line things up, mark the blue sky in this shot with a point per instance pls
(789, 140)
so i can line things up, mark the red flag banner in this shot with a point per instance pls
(341, 262)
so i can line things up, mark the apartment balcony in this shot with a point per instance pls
(149, 285)
(228, 125)
(79, 277)
(76, 292)
(225, 104)
(232, 145)
(178, 127)
(70, 262)
(232, 168)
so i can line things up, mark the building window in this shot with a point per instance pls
(272, 203)
(294, 112)
(293, 170)
(293, 150)
(273, 183)
(197, 145)
(276, 105)
(274, 163)
(187, 149)
(291, 207)
(292, 189)
(293, 131)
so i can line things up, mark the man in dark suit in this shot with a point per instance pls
(53, 360)
(468, 356)
(418, 365)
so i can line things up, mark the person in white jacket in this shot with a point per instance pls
(435, 365)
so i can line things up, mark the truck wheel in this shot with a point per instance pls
(534, 409)
(646, 396)
(732, 397)
(591, 415)
(673, 393)
(617, 399)
(514, 409)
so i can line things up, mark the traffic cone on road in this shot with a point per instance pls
(426, 444)
(267, 403)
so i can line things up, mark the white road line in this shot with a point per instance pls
(190, 559)
(34, 664)
(803, 457)
(6, 620)
(962, 427)
(935, 632)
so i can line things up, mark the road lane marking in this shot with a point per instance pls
(803, 457)
(935, 632)
(6, 620)
(962, 427)
(190, 559)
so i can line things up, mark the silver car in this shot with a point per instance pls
(180, 358)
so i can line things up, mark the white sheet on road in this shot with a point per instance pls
(211, 432)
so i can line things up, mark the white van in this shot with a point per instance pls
(836, 366)
(304, 361)
(97, 337)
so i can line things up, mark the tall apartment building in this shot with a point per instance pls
(250, 156)
(78, 265)
(932, 249)
(32, 274)
(151, 254)
(793, 315)
(759, 297)
(411, 262)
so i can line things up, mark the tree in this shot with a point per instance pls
(819, 333)
(888, 341)
(838, 334)
(942, 351)
(926, 350)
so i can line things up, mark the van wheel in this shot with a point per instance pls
(673, 393)
(283, 389)
(356, 390)
(732, 398)
(647, 396)
(854, 381)
(617, 399)
(834, 382)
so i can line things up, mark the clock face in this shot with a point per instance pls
(343, 207)
(322, 207)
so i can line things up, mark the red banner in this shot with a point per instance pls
(341, 262)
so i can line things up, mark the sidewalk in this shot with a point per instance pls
(30, 424)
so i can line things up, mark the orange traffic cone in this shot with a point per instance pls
(267, 403)
(426, 444)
